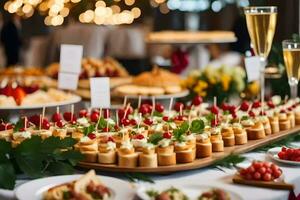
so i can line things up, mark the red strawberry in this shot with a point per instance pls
(167, 135)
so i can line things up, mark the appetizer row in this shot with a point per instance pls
(152, 136)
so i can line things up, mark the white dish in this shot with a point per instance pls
(73, 100)
(34, 190)
(163, 96)
(193, 191)
(272, 153)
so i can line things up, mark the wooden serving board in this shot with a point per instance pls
(266, 184)
(198, 163)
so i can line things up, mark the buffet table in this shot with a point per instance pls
(214, 177)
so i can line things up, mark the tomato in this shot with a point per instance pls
(257, 176)
(262, 170)
(267, 164)
(283, 149)
(277, 173)
(243, 172)
(251, 169)
(269, 170)
(248, 176)
(281, 154)
(267, 177)
(257, 165)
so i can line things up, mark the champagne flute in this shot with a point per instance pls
(291, 54)
(261, 24)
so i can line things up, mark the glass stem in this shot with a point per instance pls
(294, 91)
(262, 81)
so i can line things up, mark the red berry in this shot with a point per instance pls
(257, 176)
(35, 119)
(251, 169)
(106, 113)
(5, 126)
(59, 124)
(121, 113)
(197, 100)
(214, 109)
(283, 149)
(251, 113)
(56, 117)
(243, 172)
(133, 122)
(232, 109)
(256, 104)
(267, 177)
(159, 107)
(144, 109)
(22, 129)
(167, 135)
(165, 118)
(270, 104)
(245, 106)
(83, 113)
(68, 116)
(225, 106)
(248, 176)
(148, 121)
(106, 129)
(125, 122)
(178, 106)
(257, 165)
(178, 118)
(91, 136)
(116, 127)
(94, 117)
(214, 122)
(282, 111)
(139, 137)
(46, 124)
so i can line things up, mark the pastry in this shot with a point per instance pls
(165, 152)
(240, 134)
(284, 121)
(107, 152)
(148, 157)
(256, 131)
(227, 136)
(184, 153)
(266, 123)
(138, 142)
(88, 147)
(203, 145)
(291, 117)
(127, 157)
(216, 139)
(274, 122)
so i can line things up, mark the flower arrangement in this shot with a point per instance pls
(222, 82)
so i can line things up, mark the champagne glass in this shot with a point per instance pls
(261, 24)
(291, 54)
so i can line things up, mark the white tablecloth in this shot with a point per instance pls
(221, 179)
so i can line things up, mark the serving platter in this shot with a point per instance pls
(73, 100)
(272, 153)
(181, 94)
(198, 163)
(35, 189)
(192, 190)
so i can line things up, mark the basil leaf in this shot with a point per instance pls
(88, 129)
(155, 138)
(7, 176)
(197, 126)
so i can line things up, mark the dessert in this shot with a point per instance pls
(107, 152)
(284, 121)
(203, 145)
(240, 134)
(257, 131)
(165, 151)
(148, 157)
(127, 157)
(227, 136)
(216, 139)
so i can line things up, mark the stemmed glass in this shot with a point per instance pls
(261, 24)
(291, 54)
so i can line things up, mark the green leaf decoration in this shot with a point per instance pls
(155, 138)
(72, 156)
(5, 147)
(57, 168)
(197, 126)
(135, 177)
(210, 117)
(67, 142)
(31, 166)
(157, 114)
(102, 123)
(179, 132)
(7, 176)
(89, 129)
(18, 125)
(229, 161)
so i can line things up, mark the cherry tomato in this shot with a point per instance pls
(267, 177)
(257, 176)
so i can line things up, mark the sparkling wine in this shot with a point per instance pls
(292, 64)
(261, 28)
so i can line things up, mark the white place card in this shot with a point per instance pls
(100, 92)
(252, 65)
(70, 58)
(67, 81)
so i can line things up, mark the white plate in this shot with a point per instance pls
(193, 191)
(73, 100)
(34, 190)
(273, 154)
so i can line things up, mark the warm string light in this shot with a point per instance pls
(57, 10)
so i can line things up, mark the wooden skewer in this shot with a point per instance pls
(125, 101)
(117, 118)
(40, 125)
(153, 105)
(170, 105)
(72, 112)
(139, 101)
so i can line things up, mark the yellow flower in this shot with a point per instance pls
(212, 80)
(200, 88)
(225, 81)
(189, 82)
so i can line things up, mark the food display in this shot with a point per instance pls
(30, 93)
(261, 171)
(153, 83)
(89, 186)
(177, 194)
(21, 71)
(152, 137)
(292, 154)
(92, 67)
